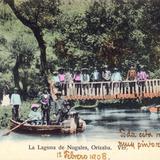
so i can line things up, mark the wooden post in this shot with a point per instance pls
(101, 89)
(158, 87)
(82, 89)
(93, 91)
(120, 90)
(104, 90)
(128, 88)
(137, 90)
(112, 88)
(74, 90)
(147, 88)
(89, 90)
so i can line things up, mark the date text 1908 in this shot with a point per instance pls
(72, 155)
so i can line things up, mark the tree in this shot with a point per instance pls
(23, 62)
(151, 25)
(36, 15)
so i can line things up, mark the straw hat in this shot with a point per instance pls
(35, 106)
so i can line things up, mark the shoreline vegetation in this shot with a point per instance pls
(6, 111)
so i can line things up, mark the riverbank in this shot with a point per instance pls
(6, 112)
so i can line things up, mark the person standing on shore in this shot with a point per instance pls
(15, 102)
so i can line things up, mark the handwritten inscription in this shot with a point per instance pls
(130, 134)
(143, 137)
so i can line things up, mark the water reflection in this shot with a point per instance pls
(104, 124)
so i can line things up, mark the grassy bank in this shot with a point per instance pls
(6, 113)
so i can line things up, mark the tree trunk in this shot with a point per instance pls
(16, 73)
(41, 43)
(37, 33)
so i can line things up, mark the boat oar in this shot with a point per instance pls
(7, 133)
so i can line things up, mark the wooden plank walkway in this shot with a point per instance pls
(109, 90)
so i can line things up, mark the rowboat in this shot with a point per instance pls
(66, 127)
(154, 109)
(151, 108)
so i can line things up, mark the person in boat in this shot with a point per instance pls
(45, 101)
(75, 121)
(131, 76)
(15, 102)
(106, 75)
(35, 115)
(58, 106)
(63, 112)
(58, 102)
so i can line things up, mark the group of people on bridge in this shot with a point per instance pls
(62, 77)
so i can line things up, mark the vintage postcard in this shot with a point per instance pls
(79, 79)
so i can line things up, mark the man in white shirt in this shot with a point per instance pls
(15, 102)
(106, 75)
(116, 79)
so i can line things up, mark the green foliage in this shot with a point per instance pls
(78, 34)
(5, 114)
(22, 49)
(40, 12)
(5, 13)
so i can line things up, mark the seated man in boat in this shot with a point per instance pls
(35, 115)
(73, 123)
(58, 102)
(63, 112)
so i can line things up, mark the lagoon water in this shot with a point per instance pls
(102, 124)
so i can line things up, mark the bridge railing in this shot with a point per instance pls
(112, 90)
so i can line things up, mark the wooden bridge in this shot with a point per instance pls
(109, 90)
